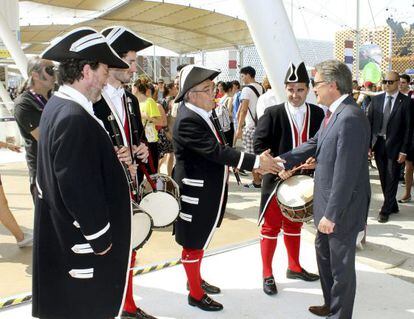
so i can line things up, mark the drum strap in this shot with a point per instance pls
(147, 175)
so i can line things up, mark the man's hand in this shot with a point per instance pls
(13, 147)
(124, 155)
(141, 151)
(370, 154)
(269, 164)
(401, 158)
(133, 170)
(285, 174)
(105, 251)
(310, 163)
(326, 226)
(238, 134)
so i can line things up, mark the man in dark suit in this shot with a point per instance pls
(389, 116)
(282, 128)
(342, 190)
(201, 171)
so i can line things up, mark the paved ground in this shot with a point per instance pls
(386, 264)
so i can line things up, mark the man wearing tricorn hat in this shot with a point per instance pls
(201, 172)
(83, 217)
(282, 128)
(124, 108)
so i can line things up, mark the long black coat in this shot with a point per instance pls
(274, 131)
(83, 207)
(201, 171)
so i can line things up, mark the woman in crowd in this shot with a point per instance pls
(6, 217)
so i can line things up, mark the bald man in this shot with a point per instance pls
(389, 116)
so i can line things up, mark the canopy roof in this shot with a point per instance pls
(182, 29)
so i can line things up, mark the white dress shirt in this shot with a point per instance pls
(394, 97)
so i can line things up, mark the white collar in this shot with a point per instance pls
(394, 96)
(68, 92)
(113, 91)
(203, 113)
(297, 109)
(336, 103)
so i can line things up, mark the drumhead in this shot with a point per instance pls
(296, 191)
(141, 229)
(162, 207)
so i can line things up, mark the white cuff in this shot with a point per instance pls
(257, 162)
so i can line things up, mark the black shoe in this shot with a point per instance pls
(303, 275)
(321, 311)
(139, 314)
(383, 218)
(243, 173)
(206, 303)
(269, 286)
(209, 289)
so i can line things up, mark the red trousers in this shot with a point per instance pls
(129, 304)
(273, 222)
(191, 260)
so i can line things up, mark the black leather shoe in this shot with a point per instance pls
(269, 286)
(321, 311)
(303, 275)
(383, 218)
(139, 314)
(209, 289)
(206, 303)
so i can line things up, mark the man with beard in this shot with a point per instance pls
(282, 128)
(124, 106)
(82, 226)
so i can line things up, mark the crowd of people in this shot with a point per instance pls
(77, 134)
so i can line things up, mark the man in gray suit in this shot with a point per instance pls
(342, 190)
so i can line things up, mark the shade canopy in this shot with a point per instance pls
(182, 29)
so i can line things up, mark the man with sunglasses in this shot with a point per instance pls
(389, 116)
(28, 108)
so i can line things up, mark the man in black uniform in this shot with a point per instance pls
(82, 227)
(282, 128)
(124, 107)
(201, 171)
(28, 108)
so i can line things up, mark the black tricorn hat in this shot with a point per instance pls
(192, 75)
(297, 74)
(122, 39)
(83, 44)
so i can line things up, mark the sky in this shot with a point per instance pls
(311, 19)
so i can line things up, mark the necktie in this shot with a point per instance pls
(386, 116)
(327, 117)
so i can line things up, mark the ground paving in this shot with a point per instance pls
(387, 258)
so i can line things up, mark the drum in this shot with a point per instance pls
(162, 204)
(141, 227)
(295, 198)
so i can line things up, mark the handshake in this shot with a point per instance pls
(274, 165)
(269, 164)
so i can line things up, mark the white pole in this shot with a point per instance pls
(358, 39)
(275, 41)
(154, 66)
(13, 46)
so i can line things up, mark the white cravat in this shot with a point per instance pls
(116, 95)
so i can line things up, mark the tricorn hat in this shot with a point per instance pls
(122, 39)
(297, 74)
(192, 75)
(83, 44)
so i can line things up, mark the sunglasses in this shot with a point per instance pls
(390, 82)
(50, 69)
